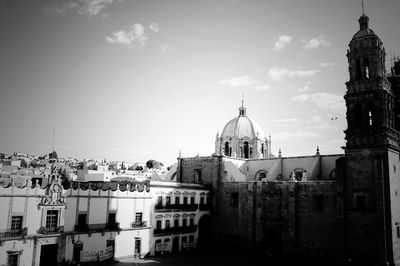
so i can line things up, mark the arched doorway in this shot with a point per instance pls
(246, 149)
(205, 232)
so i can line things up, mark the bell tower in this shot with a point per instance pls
(372, 170)
(369, 99)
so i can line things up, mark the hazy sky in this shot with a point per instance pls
(133, 80)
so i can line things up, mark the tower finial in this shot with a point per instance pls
(362, 6)
(242, 99)
(54, 130)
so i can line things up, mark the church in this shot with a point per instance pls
(341, 207)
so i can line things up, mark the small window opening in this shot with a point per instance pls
(370, 118)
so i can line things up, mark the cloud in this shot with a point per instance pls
(164, 48)
(278, 73)
(84, 7)
(154, 27)
(135, 34)
(315, 43)
(327, 64)
(262, 88)
(283, 40)
(325, 101)
(238, 81)
(305, 88)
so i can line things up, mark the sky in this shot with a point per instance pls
(133, 80)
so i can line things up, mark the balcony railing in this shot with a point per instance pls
(49, 200)
(204, 207)
(13, 232)
(175, 230)
(51, 230)
(97, 227)
(176, 207)
(189, 207)
(139, 224)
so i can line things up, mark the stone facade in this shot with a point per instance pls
(342, 207)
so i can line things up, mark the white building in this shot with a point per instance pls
(43, 226)
(178, 210)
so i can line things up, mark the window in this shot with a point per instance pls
(184, 222)
(138, 217)
(366, 65)
(234, 199)
(197, 175)
(82, 219)
(360, 202)
(51, 219)
(226, 150)
(184, 239)
(167, 224)
(176, 223)
(176, 200)
(159, 200)
(358, 69)
(191, 222)
(16, 222)
(262, 148)
(13, 259)
(191, 238)
(298, 175)
(262, 175)
(192, 200)
(111, 218)
(246, 149)
(398, 230)
(318, 203)
(185, 200)
(201, 200)
(168, 201)
(158, 224)
(370, 118)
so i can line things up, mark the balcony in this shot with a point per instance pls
(165, 231)
(81, 228)
(97, 227)
(176, 207)
(187, 229)
(52, 201)
(139, 224)
(175, 230)
(51, 230)
(189, 207)
(164, 208)
(205, 207)
(13, 232)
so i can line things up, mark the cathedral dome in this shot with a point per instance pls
(243, 127)
(364, 31)
(243, 138)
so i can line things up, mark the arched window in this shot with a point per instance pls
(262, 148)
(358, 69)
(366, 68)
(227, 149)
(246, 150)
(370, 118)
